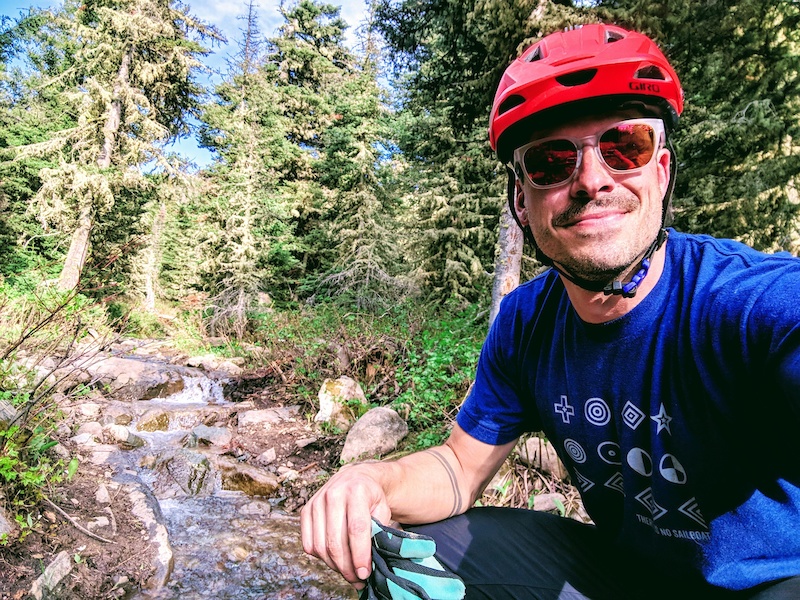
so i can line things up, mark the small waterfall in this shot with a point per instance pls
(198, 390)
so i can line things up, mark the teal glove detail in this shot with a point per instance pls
(404, 568)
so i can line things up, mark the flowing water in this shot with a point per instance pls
(225, 544)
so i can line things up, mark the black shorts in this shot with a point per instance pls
(505, 554)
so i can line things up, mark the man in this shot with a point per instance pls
(665, 368)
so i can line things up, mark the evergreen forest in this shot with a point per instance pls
(357, 177)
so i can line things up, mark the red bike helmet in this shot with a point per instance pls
(589, 63)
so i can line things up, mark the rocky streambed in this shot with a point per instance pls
(212, 483)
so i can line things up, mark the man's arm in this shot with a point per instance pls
(420, 488)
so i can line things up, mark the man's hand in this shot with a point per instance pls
(337, 525)
(422, 487)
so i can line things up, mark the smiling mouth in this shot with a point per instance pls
(590, 218)
(595, 211)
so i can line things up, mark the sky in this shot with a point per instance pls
(225, 15)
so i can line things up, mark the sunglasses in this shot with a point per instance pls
(623, 147)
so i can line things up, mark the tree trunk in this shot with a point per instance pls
(114, 117)
(78, 250)
(509, 260)
(152, 260)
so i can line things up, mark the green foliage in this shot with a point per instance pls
(44, 325)
(326, 185)
(437, 371)
(451, 54)
(369, 269)
(415, 359)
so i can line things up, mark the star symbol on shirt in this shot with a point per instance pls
(663, 419)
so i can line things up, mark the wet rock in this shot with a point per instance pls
(256, 508)
(215, 365)
(376, 433)
(154, 421)
(118, 413)
(183, 473)
(216, 436)
(123, 436)
(246, 478)
(145, 508)
(131, 379)
(335, 399)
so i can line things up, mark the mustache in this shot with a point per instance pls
(577, 209)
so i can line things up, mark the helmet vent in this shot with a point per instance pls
(650, 72)
(509, 103)
(577, 78)
(613, 36)
(535, 55)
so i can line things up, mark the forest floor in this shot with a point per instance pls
(117, 569)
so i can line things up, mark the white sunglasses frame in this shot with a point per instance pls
(589, 140)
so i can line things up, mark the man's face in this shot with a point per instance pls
(598, 223)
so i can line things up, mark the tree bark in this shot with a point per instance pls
(78, 250)
(152, 261)
(509, 260)
(114, 118)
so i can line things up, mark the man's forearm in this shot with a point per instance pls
(423, 487)
(432, 485)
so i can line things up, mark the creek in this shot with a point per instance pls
(225, 544)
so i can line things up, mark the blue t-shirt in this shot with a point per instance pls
(679, 422)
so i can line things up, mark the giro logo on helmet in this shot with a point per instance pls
(651, 88)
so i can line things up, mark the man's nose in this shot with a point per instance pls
(592, 176)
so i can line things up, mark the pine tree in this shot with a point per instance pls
(368, 266)
(133, 64)
(451, 54)
(30, 53)
(307, 61)
(246, 127)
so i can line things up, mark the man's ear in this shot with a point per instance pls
(519, 204)
(664, 172)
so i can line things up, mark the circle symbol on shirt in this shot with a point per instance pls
(640, 461)
(575, 451)
(597, 412)
(671, 469)
(610, 453)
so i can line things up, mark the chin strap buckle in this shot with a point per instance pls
(628, 290)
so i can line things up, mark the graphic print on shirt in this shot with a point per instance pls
(564, 409)
(589, 440)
